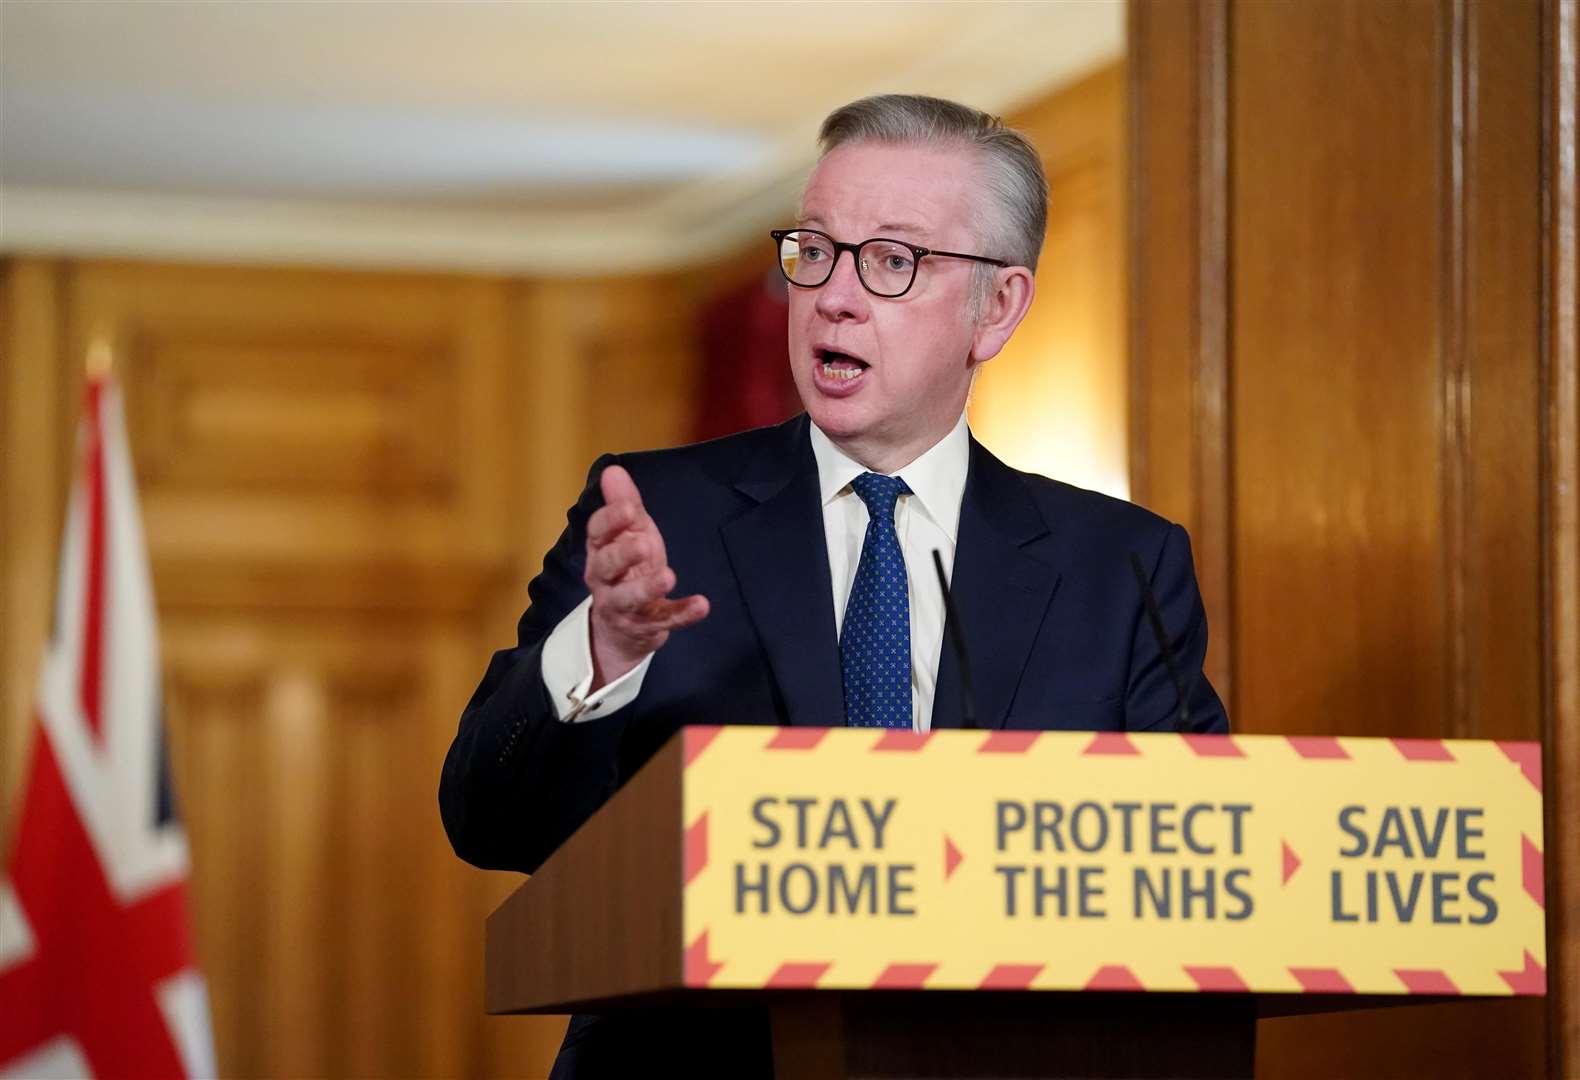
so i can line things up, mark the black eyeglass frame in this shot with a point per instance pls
(855, 257)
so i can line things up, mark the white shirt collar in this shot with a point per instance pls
(937, 479)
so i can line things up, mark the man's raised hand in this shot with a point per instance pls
(629, 577)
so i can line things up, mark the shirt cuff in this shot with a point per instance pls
(568, 672)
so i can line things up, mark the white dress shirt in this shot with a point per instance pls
(926, 519)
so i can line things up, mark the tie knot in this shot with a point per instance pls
(879, 492)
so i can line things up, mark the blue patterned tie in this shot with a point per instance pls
(875, 642)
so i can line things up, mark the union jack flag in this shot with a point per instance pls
(97, 975)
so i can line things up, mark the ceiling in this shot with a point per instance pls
(554, 138)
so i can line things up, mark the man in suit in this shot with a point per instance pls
(805, 550)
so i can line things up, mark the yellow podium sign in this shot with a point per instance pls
(853, 858)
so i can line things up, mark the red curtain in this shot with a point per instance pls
(746, 372)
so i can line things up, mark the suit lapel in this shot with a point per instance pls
(1000, 591)
(779, 558)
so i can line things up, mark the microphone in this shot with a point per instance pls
(968, 709)
(1149, 600)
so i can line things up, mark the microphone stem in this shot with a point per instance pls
(968, 711)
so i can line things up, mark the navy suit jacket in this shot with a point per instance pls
(1047, 602)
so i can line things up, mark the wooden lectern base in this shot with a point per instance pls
(877, 1036)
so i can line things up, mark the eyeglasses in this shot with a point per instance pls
(887, 268)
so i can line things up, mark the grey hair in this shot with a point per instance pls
(1014, 220)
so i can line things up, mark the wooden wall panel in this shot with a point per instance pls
(1392, 389)
(290, 997)
(1560, 429)
(354, 418)
(1178, 298)
(1336, 322)
(1494, 385)
(299, 417)
(35, 464)
(334, 923)
(1165, 260)
(639, 354)
(347, 480)
(214, 756)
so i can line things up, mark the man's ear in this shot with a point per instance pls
(1002, 311)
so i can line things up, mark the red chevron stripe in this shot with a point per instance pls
(1322, 980)
(1218, 979)
(1533, 872)
(1426, 981)
(695, 741)
(700, 970)
(1008, 742)
(1528, 756)
(695, 847)
(1114, 977)
(1422, 749)
(903, 976)
(792, 976)
(1010, 977)
(1316, 746)
(798, 738)
(1532, 979)
(1112, 742)
(1213, 745)
(902, 741)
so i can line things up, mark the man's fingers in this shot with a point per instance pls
(608, 522)
(686, 611)
(630, 598)
(659, 615)
(640, 604)
(626, 568)
(627, 553)
(621, 509)
(617, 486)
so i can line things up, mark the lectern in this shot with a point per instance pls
(1035, 904)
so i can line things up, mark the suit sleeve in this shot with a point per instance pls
(1151, 699)
(517, 780)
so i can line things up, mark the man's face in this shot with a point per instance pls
(887, 378)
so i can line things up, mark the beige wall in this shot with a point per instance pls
(1055, 400)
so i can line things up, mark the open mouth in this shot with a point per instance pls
(840, 366)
